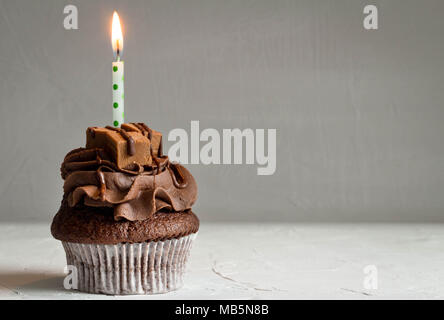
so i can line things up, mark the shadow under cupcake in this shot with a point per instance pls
(125, 220)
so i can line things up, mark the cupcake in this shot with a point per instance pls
(125, 220)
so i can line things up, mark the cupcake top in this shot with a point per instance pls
(124, 169)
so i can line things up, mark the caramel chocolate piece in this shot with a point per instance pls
(125, 147)
(154, 136)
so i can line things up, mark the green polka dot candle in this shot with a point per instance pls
(117, 71)
(118, 94)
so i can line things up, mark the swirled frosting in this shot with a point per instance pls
(135, 192)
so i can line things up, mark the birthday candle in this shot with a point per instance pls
(117, 71)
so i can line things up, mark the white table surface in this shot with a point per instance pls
(256, 261)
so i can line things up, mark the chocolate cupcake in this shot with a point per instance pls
(125, 220)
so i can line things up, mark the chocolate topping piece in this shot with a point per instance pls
(155, 137)
(131, 148)
(123, 147)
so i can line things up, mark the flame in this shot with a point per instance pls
(116, 36)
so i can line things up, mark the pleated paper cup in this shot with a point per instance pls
(130, 268)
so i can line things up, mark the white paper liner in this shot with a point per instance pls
(130, 268)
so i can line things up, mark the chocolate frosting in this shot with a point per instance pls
(92, 179)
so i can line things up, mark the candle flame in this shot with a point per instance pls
(116, 36)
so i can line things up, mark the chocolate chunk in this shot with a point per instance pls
(124, 147)
(154, 136)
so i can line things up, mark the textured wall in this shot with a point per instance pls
(359, 114)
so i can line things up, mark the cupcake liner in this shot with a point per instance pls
(130, 268)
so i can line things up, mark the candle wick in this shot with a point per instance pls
(118, 50)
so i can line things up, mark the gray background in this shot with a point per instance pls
(359, 114)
